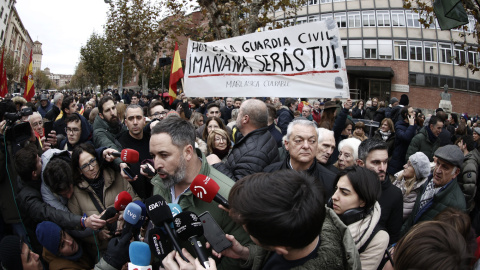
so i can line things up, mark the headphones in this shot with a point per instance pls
(351, 215)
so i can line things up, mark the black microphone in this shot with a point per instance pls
(189, 228)
(159, 242)
(161, 215)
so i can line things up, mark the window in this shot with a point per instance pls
(353, 19)
(472, 57)
(385, 49)
(430, 51)
(383, 18)
(326, 16)
(313, 18)
(312, 2)
(325, 1)
(301, 20)
(341, 19)
(345, 50)
(416, 50)
(400, 50)
(412, 19)
(398, 18)
(368, 18)
(445, 53)
(460, 57)
(370, 53)
(1, 12)
(354, 49)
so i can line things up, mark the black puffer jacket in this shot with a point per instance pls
(251, 154)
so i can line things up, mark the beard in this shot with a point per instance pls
(177, 176)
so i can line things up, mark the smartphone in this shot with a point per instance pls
(148, 171)
(129, 172)
(47, 127)
(213, 233)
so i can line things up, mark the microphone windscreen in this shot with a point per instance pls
(129, 156)
(139, 253)
(159, 243)
(175, 208)
(187, 224)
(109, 213)
(204, 188)
(122, 200)
(132, 213)
(158, 210)
(144, 213)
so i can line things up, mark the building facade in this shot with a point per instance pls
(59, 79)
(389, 53)
(5, 8)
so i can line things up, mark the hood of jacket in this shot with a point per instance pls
(87, 133)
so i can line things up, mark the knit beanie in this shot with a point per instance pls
(49, 236)
(421, 165)
(10, 252)
(404, 100)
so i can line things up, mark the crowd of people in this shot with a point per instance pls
(310, 183)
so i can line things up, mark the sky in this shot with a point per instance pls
(62, 26)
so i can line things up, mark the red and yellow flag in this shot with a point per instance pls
(28, 78)
(176, 74)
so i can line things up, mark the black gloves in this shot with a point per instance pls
(117, 251)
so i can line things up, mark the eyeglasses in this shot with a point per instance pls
(221, 139)
(72, 130)
(36, 124)
(90, 165)
(159, 113)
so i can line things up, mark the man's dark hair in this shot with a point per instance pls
(72, 118)
(26, 161)
(365, 182)
(455, 118)
(104, 100)
(404, 112)
(442, 116)
(181, 131)
(211, 105)
(289, 102)
(434, 120)
(291, 214)
(66, 103)
(136, 95)
(370, 145)
(237, 99)
(58, 175)
(153, 105)
(468, 140)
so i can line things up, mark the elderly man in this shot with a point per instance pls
(256, 149)
(177, 162)
(307, 112)
(55, 110)
(301, 144)
(441, 189)
(373, 155)
(316, 112)
(326, 145)
(44, 105)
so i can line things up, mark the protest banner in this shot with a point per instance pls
(300, 61)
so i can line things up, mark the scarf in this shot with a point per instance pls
(385, 135)
(432, 138)
(362, 229)
(221, 153)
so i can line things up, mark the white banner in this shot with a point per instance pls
(300, 61)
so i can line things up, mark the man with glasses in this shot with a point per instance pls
(69, 106)
(78, 131)
(156, 110)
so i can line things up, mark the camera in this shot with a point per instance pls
(18, 132)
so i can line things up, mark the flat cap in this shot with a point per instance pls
(451, 154)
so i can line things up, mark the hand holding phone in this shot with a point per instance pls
(213, 233)
(128, 172)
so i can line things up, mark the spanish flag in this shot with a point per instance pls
(28, 78)
(176, 74)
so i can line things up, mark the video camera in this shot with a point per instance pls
(18, 132)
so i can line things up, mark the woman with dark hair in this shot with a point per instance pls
(95, 185)
(359, 110)
(219, 143)
(386, 133)
(355, 201)
(328, 116)
(211, 124)
(359, 131)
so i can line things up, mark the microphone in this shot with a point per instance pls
(131, 215)
(140, 256)
(161, 215)
(206, 189)
(127, 155)
(121, 201)
(159, 243)
(189, 228)
(175, 208)
(136, 228)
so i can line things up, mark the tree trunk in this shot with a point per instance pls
(144, 83)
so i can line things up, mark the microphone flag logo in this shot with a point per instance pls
(200, 190)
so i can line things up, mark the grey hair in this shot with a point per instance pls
(33, 114)
(322, 133)
(370, 145)
(300, 122)
(57, 97)
(316, 102)
(235, 114)
(353, 143)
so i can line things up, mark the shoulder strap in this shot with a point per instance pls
(95, 202)
(365, 245)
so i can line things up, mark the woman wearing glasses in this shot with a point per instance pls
(219, 143)
(95, 187)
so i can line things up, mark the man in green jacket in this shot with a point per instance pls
(177, 163)
(426, 141)
(441, 189)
